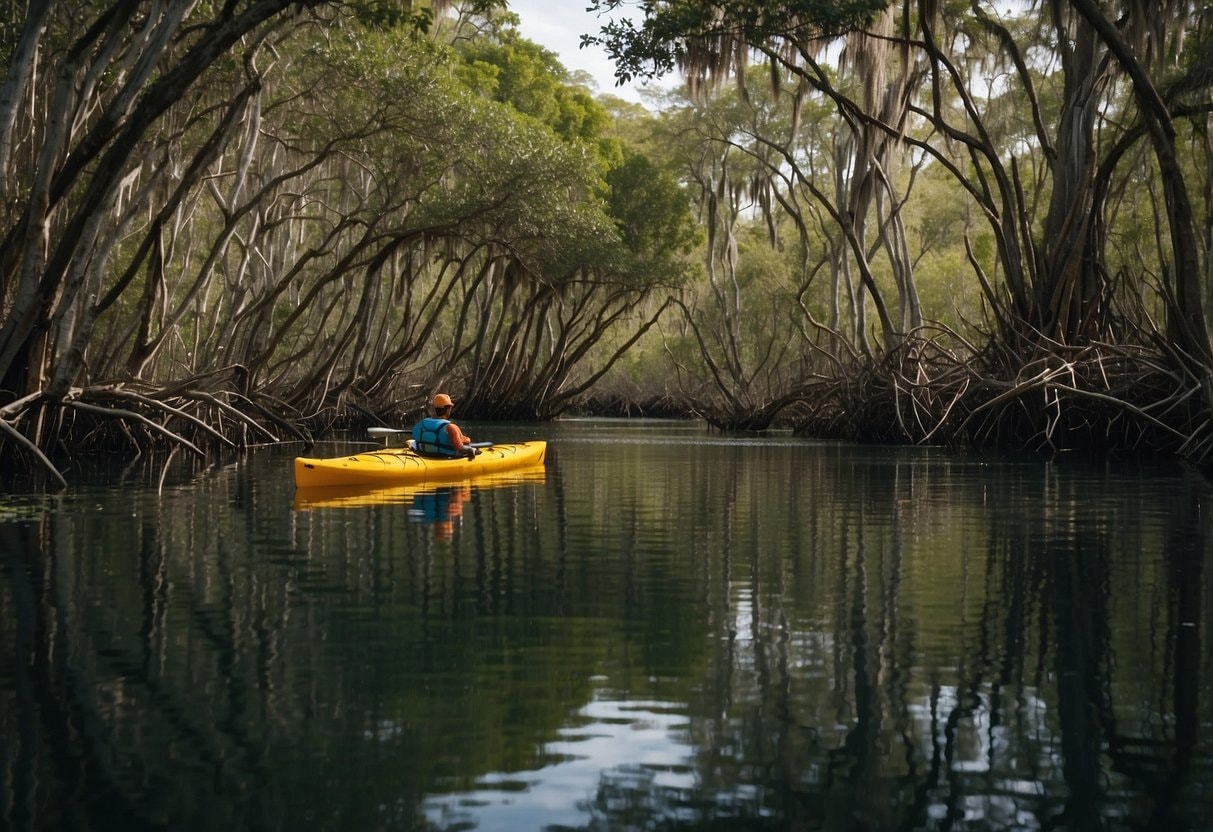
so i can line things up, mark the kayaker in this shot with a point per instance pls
(437, 435)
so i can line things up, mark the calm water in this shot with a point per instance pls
(668, 629)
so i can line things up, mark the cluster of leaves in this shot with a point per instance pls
(657, 45)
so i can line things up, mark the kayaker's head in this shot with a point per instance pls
(443, 404)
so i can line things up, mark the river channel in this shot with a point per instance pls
(666, 628)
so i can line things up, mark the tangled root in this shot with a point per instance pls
(1098, 396)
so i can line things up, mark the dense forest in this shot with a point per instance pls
(946, 221)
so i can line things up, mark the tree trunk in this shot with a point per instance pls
(20, 70)
(1067, 291)
(1186, 327)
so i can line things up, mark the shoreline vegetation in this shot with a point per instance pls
(1101, 399)
(866, 220)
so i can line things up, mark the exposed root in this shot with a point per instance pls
(182, 416)
(128, 415)
(1098, 396)
(33, 450)
(934, 388)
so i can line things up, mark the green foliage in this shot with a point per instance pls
(444, 157)
(651, 208)
(658, 43)
(518, 72)
(392, 14)
(414, 15)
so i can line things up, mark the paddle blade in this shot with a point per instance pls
(386, 431)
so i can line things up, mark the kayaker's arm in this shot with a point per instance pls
(461, 440)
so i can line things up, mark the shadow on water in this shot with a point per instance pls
(665, 629)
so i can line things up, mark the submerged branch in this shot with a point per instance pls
(33, 449)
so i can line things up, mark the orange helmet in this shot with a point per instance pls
(443, 400)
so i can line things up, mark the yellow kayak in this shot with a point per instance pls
(400, 466)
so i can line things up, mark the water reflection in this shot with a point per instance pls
(669, 629)
(438, 506)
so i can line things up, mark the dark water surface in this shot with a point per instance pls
(669, 629)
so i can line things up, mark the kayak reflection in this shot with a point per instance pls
(438, 504)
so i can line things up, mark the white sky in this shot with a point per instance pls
(558, 25)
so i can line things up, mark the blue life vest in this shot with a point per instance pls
(430, 437)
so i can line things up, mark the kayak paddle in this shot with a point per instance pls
(383, 433)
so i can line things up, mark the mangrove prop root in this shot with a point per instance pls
(1098, 396)
(933, 387)
(138, 418)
